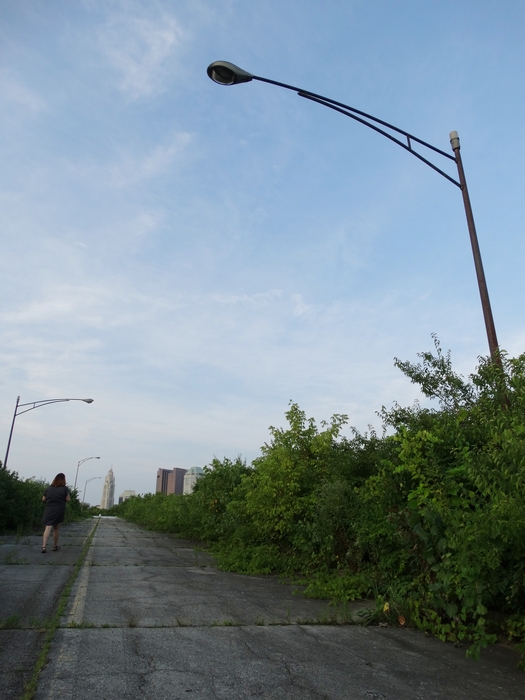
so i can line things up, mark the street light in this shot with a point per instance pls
(85, 486)
(78, 465)
(225, 73)
(33, 405)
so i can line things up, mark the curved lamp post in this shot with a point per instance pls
(85, 485)
(32, 405)
(225, 73)
(78, 465)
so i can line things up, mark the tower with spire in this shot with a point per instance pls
(108, 492)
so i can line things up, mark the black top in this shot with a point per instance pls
(55, 505)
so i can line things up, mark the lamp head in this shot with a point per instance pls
(87, 401)
(225, 73)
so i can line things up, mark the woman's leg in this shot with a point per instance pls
(56, 532)
(45, 537)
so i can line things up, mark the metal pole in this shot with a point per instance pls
(76, 475)
(482, 284)
(85, 487)
(11, 432)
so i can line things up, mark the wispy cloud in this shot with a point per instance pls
(132, 169)
(142, 51)
(12, 90)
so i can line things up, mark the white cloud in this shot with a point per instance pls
(142, 51)
(300, 308)
(14, 91)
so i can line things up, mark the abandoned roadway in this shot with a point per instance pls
(149, 616)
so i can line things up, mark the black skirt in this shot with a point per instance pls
(55, 505)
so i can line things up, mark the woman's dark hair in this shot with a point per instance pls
(59, 480)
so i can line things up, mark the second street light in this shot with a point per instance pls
(85, 487)
(225, 73)
(86, 459)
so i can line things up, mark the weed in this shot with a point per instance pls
(132, 621)
(11, 558)
(226, 623)
(37, 624)
(11, 623)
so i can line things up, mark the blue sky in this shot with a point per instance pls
(194, 256)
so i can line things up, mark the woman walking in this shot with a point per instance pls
(55, 497)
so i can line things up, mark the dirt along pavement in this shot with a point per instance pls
(149, 616)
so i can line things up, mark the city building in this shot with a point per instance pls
(191, 477)
(108, 492)
(125, 495)
(170, 480)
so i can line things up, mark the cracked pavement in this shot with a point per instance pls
(151, 616)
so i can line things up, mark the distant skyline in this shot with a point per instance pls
(194, 257)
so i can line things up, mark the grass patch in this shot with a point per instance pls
(12, 559)
(13, 622)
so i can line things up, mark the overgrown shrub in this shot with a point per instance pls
(430, 516)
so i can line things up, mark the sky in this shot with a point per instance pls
(194, 257)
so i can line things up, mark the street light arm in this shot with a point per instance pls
(33, 405)
(225, 73)
(327, 101)
(352, 113)
(45, 402)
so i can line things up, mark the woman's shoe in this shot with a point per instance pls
(57, 546)
(43, 550)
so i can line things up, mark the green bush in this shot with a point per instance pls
(430, 516)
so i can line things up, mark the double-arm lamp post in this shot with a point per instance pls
(32, 405)
(225, 73)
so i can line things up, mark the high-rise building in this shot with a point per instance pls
(108, 492)
(125, 495)
(170, 480)
(191, 477)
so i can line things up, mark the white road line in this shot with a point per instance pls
(76, 613)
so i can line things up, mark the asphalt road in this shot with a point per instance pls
(151, 617)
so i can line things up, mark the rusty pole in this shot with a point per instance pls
(482, 283)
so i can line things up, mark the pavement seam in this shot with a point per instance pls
(32, 684)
